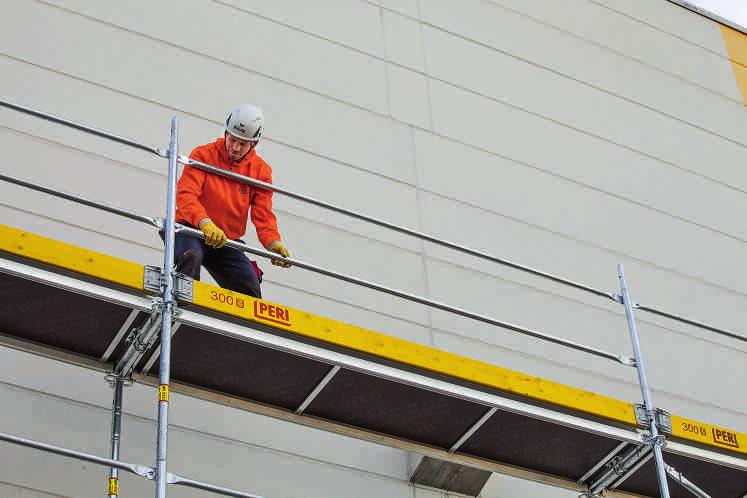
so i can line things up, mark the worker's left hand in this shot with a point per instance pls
(279, 247)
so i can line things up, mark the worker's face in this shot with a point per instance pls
(237, 148)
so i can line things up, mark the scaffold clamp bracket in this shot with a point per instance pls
(112, 379)
(661, 418)
(134, 338)
(152, 280)
(628, 361)
(183, 287)
(660, 440)
(144, 471)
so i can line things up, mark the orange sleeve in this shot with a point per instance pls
(188, 191)
(261, 212)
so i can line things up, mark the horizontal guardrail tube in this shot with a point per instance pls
(326, 205)
(438, 241)
(81, 127)
(694, 323)
(397, 228)
(80, 200)
(141, 470)
(414, 298)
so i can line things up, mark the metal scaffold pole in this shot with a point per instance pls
(655, 438)
(118, 384)
(167, 310)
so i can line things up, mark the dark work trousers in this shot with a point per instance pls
(229, 267)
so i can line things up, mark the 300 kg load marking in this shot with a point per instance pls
(228, 299)
(694, 429)
(262, 310)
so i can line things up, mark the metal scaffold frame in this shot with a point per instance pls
(159, 326)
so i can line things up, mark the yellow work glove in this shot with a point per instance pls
(278, 247)
(214, 236)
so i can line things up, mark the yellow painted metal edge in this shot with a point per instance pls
(708, 434)
(409, 353)
(444, 363)
(126, 273)
(70, 257)
(736, 46)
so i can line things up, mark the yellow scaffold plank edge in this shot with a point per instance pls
(409, 353)
(449, 364)
(710, 435)
(129, 274)
(70, 257)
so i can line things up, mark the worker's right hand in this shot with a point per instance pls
(279, 247)
(214, 236)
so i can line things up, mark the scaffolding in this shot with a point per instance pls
(145, 336)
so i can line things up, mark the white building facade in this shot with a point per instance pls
(566, 136)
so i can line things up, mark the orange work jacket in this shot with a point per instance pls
(227, 202)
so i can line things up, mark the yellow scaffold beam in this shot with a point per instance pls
(377, 345)
(70, 257)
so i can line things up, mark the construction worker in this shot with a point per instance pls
(219, 207)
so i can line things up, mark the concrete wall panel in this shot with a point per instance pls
(666, 49)
(240, 39)
(594, 112)
(314, 115)
(361, 29)
(568, 137)
(672, 19)
(561, 144)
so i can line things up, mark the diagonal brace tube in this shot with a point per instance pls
(626, 462)
(683, 481)
(141, 343)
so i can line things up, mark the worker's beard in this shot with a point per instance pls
(235, 157)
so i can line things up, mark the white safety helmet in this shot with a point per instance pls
(246, 123)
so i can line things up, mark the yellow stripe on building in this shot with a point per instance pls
(736, 46)
(70, 257)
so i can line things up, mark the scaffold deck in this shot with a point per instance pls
(69, 302)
